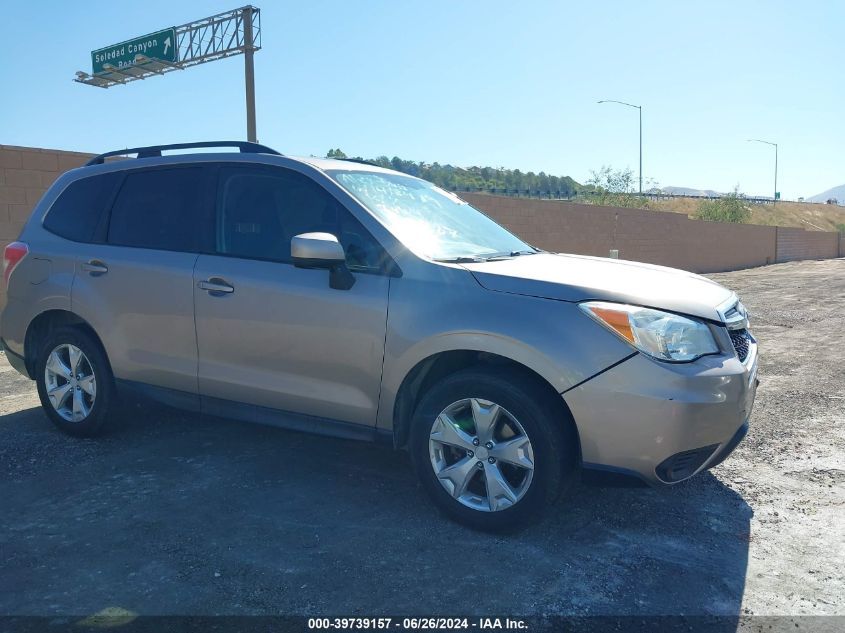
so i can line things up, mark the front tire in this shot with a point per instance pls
(492, 448)
(75, 382)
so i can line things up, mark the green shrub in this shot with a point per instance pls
(728, 208)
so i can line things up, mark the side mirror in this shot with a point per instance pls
(322, 250)
(316, 250)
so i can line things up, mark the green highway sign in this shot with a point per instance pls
(159, 45)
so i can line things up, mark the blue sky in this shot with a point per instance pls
(497, 83)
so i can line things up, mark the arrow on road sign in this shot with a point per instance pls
(166, 45)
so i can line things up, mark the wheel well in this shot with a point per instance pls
(41, 326)
(434, 368)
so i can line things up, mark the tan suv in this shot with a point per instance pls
(345, 299)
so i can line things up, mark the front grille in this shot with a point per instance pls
(741, 340)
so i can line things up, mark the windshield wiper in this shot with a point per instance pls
(500, 256)
(466, 259)
(495, 257)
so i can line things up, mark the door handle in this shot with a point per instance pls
(215, 286)
(95, 268)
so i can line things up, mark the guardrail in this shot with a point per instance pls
(586, 195)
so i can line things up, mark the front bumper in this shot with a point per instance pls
(664, 422)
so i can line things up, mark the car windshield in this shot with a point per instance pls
(430, 221)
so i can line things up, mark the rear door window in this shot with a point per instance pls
(78, 209)
(160, 209)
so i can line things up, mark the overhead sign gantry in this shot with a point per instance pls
(176, 48)
(160, 46)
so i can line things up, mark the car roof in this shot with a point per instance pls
(329, 164)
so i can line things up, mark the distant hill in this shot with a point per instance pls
(688, 191)
(462, 178)
(837, 192)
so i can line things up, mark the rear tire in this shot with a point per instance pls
(532, 445)
(75, 382)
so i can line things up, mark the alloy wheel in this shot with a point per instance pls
(481, 455)
(70, 382)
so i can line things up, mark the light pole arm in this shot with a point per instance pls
(630, 105)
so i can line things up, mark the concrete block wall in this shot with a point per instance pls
(671, 239)
(796, 244)
(553, 225)
(25, 174)
(668, 239)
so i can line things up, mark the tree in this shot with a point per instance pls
(612, 181)
(615, 188)
(475, 177)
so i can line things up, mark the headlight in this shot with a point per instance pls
(659, 334)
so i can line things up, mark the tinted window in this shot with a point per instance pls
(261, 210)
(76, 212)
(159, 209)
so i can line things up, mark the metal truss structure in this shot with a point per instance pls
(219, 36)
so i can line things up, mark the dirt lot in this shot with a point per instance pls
(179, 514)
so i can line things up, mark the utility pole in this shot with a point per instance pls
(249, 75)
(640, 108)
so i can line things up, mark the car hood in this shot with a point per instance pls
(579, 278)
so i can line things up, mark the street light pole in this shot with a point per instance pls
(757, 140)
(641, 149)
(640, 108)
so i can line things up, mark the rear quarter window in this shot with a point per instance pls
(78, 209)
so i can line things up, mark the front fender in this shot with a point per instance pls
(552, 338)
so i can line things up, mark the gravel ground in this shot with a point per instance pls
(172, 513)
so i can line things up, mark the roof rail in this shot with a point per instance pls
(362, 161)
(155, 150)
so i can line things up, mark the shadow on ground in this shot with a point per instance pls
(178, 513)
